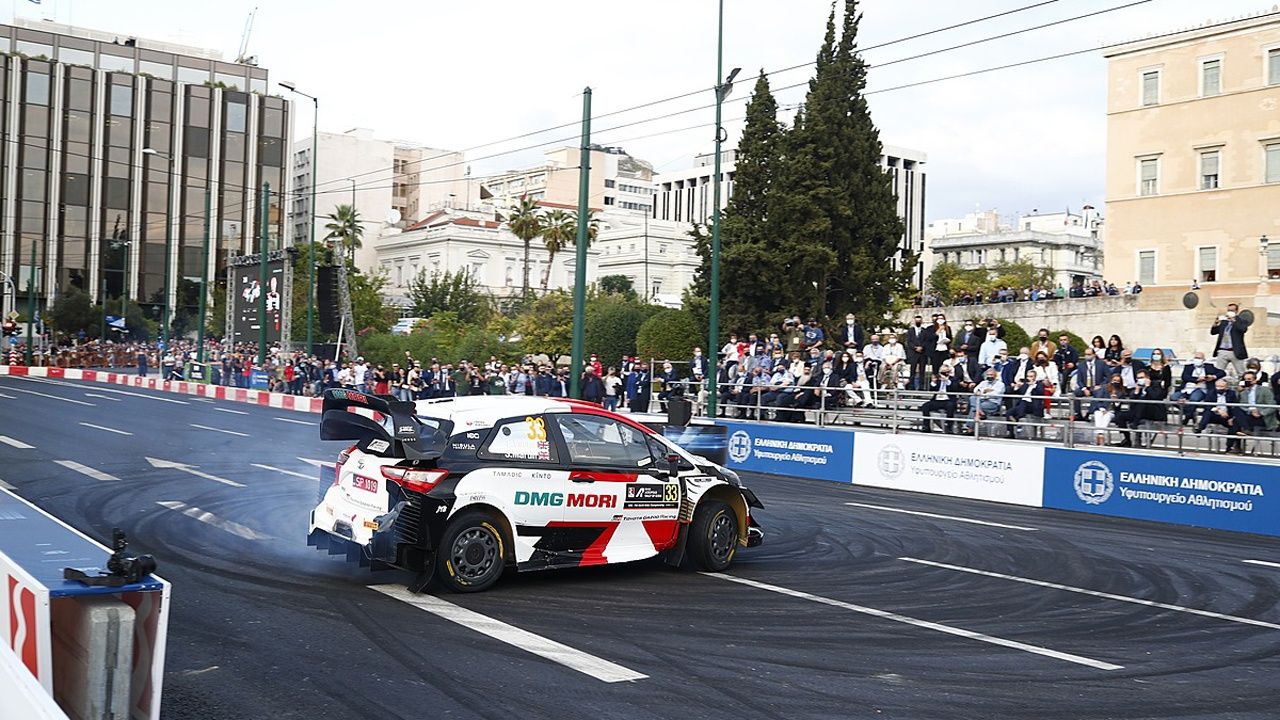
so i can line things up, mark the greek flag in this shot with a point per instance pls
(112, 320)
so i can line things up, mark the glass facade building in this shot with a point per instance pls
(85, 206)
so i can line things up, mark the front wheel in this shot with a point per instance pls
(471, 554)
(713, 537)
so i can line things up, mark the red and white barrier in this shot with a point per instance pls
(217, 392)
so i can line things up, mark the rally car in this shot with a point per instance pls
(464, 488)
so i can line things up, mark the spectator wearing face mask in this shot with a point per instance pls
(938, 343)
(943, 400)
(813, 335)
(1159, 372)
(1253, 414)
(858, 384)
(1197, 379)
(970, 344)
(990, 350)
(1047, 372)
(1218, 401)
(1066, 358)
(1016, 369)
(851, 334)
(1128, 369)
(1229, 350)
(917, 357)
(1028, 400)
(894, 357)
(986, 398)
(1090, 380)
(1115, 348)
(1042, 344)
(822, 388)
(1146, 405)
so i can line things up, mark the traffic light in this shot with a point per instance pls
(10, 328)
(327, 298)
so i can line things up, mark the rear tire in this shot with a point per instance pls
(713, 536)
(472, 553)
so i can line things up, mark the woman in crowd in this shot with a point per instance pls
(1159, 372)
(1048, 372)
(1099, 345)
(1115, 348)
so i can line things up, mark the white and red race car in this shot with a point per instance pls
(463, 488)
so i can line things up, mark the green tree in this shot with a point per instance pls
(558, 231)
(216, 326)
(547, 325)
(74, 311)
(618, 285)
(593, 225)
(947, 280)
(344, 226)
(525, 222)
(612, 324)
(367, 308)
(1020, 274)
(308, 254)
(668, 335)
(454, 291)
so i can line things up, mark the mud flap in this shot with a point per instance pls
(675, 556)
(424, 576)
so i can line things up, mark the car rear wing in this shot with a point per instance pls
(382, 425)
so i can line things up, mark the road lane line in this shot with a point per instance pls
(942, 517)
(1095, 593)
(574, 659)
(295, 422)
(214, 429)
(110, 430)
(52, 397)
(103, 397)
(947, 629)
(6, 486)
(87, 471)
(16, 443)
(282, 471)
(317, 463)
(1263, 563)
(233, 412)
(209, 518)
(105, 390)
(190, 470)
(8, 397)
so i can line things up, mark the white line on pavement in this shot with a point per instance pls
(110, 430)
(190, 470)
(571, 658)
(317, 463)
(229, 410)
(214, 429)
(105, 390)
(939, 627)
(1095, 593)
(16, 443)
(1263, 563)
(6, 486)
(103, 397)
(941, 517)
(87, 471)
(282, 471)
(209, 518)
(52, 397)
(8, 397)
(295, 422)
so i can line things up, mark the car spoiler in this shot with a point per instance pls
(365, 418)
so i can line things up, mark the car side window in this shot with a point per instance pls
(597, 440)
(523, 439)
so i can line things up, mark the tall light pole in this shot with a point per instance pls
(580, 256)
(168, 249)
(723, 88)
(311, 271)
(32, 285)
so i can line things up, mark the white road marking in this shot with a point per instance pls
(209, 518)
(52, 397)
(214, 429)
(87, 471)
(6, 486)
(295, 422)
(8, 397)
(190, 470)
(16, 443)
(282, 471)
(941, 517)
(229, 410)
(939, 627)
(101, 427)
(1095, 593)
(1263, 563)
(572, 658)
(103, 397)
(317, 463)
(105, 390)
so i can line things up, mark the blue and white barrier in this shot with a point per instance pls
(1210, 493)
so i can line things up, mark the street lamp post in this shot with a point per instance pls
(723, 88)
(31, 294)
(168, 251)
(311, 266)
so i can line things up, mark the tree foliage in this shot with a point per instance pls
(668, 335)
(948, 280)
(74, 311)
(612, 324)
(547, 326)
(367, 308)
(617, 285)
(344, 226)
(525, 222)
(559, 230)
(456, 292)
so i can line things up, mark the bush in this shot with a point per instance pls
(1077, 342)
(668, 335)
(612, 324)
(1014, 336)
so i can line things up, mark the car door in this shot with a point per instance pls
(618, 491)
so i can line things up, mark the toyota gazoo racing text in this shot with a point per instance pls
(461, 489)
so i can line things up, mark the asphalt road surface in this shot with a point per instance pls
(861, 603)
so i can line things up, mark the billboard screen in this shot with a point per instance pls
(244, 289)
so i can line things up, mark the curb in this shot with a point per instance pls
(216, 392)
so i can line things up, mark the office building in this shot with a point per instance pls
(618, 181)
(1068, 243)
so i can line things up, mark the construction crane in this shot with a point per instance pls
(241, 57)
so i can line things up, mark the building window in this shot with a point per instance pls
(609, 184)
(1273, 66)
(1150, 88)
(1271, 163)
(1208, 264)
(608, 200)
(1147, 267)
(1209, 162)
(1273, 261)
(1148, 176)
(237, 115)
(1210, 77)
(122, 100)
(37, 89)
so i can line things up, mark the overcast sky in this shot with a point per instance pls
(461, 75)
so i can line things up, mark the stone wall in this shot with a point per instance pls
(1154, 317)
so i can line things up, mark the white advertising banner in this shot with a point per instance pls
(999, 472)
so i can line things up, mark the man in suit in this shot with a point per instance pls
(1220, 399)
(916, 354)
(970, 343)
(822, 389)
(1136, 413)
(592, 386)
(698, 365)
(943, 400)
(1067, 357)
(986, 398)
(1229, 349)
(1253, 414)
(1029, 395)
(1197, 378)
(851, 335)
(644, 389)
(1090, 380)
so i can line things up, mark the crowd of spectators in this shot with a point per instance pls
(994, 296)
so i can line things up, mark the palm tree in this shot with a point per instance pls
(559, 230)
(344, 225)
(525, 222)
(593, 225)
